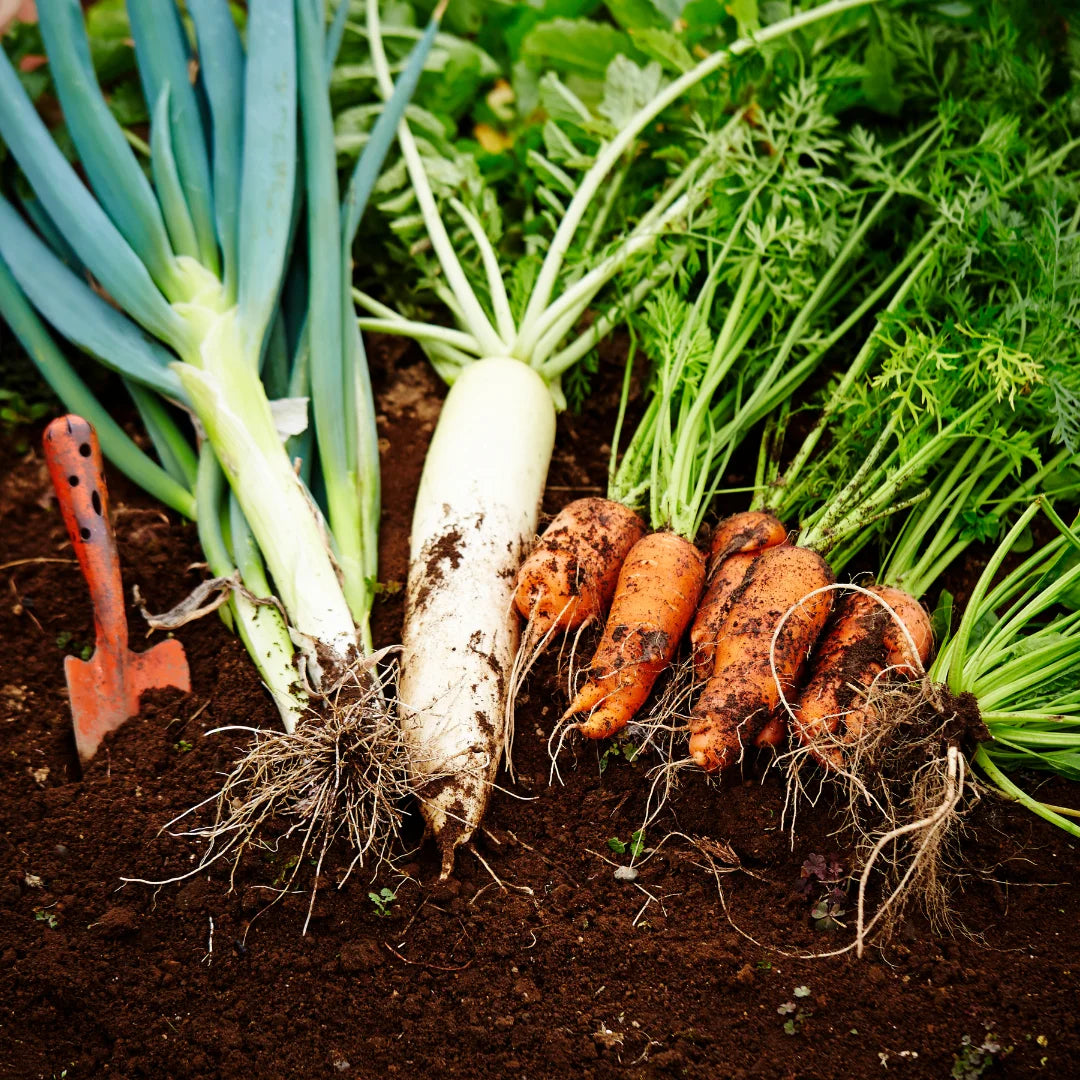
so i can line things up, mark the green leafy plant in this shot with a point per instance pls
(819, 881)
(974, 1060)
(47, 917)
(18, 412)
(286, 872)
(67, 641)
(634, 847)
(383, 900)
(796, 1015)
(620, 747)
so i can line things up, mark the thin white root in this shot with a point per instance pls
(530, 649)
(931, 826)
(903, 785)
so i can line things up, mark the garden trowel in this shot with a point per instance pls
(105, 689)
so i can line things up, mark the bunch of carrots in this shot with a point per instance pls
(943, 412)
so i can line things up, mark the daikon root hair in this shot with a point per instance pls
(341, 775)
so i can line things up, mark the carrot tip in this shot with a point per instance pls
(710, 758)
(706, 761)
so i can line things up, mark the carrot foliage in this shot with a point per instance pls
(963, 399)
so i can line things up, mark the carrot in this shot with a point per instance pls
(913, 615)
(658, 589)
(862, 642)
(569, 577)
(723, 584)
(734, 544)
(752, 530)
(739, 699)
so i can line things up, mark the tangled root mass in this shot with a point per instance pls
(340, 776)
(902, 792)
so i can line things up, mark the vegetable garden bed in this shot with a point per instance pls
(533, 960)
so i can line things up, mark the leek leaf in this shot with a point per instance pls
(79, 313)
(79, 217)
(173, 450)
(114, 174)
(78, 398)
(221, 65)
(167, 181)
(268, 175)
(162, 51)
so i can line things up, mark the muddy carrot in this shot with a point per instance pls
(752, 530)
(570, 576)
(722, 587)
(863, 641)
(734, 544)
(739, 699)
(658, 589)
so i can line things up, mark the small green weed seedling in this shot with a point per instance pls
(383, 901)
(973, 1061)
(821, 882)
(794, 1013)
(623, 748)
(17, 414)
(635, 847)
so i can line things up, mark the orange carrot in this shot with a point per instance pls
(863, 640)
(739, 699)
(658, 589)
(913, 615)
(723, 584)
(569, 577)
(752, 530)
(734, 544)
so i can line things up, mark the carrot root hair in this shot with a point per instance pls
(901, 778)
(901, 792)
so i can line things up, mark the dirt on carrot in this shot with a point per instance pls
(751, 530)
(570, 575)
(739, 699)
(862, 645)
(659, 587)
(734, 543)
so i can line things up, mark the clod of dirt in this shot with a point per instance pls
(359, 956)
(116, 922)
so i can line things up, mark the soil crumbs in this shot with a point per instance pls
(557, 968)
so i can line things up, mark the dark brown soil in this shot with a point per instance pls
(558, 969)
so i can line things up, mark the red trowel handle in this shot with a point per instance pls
(75, 465)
